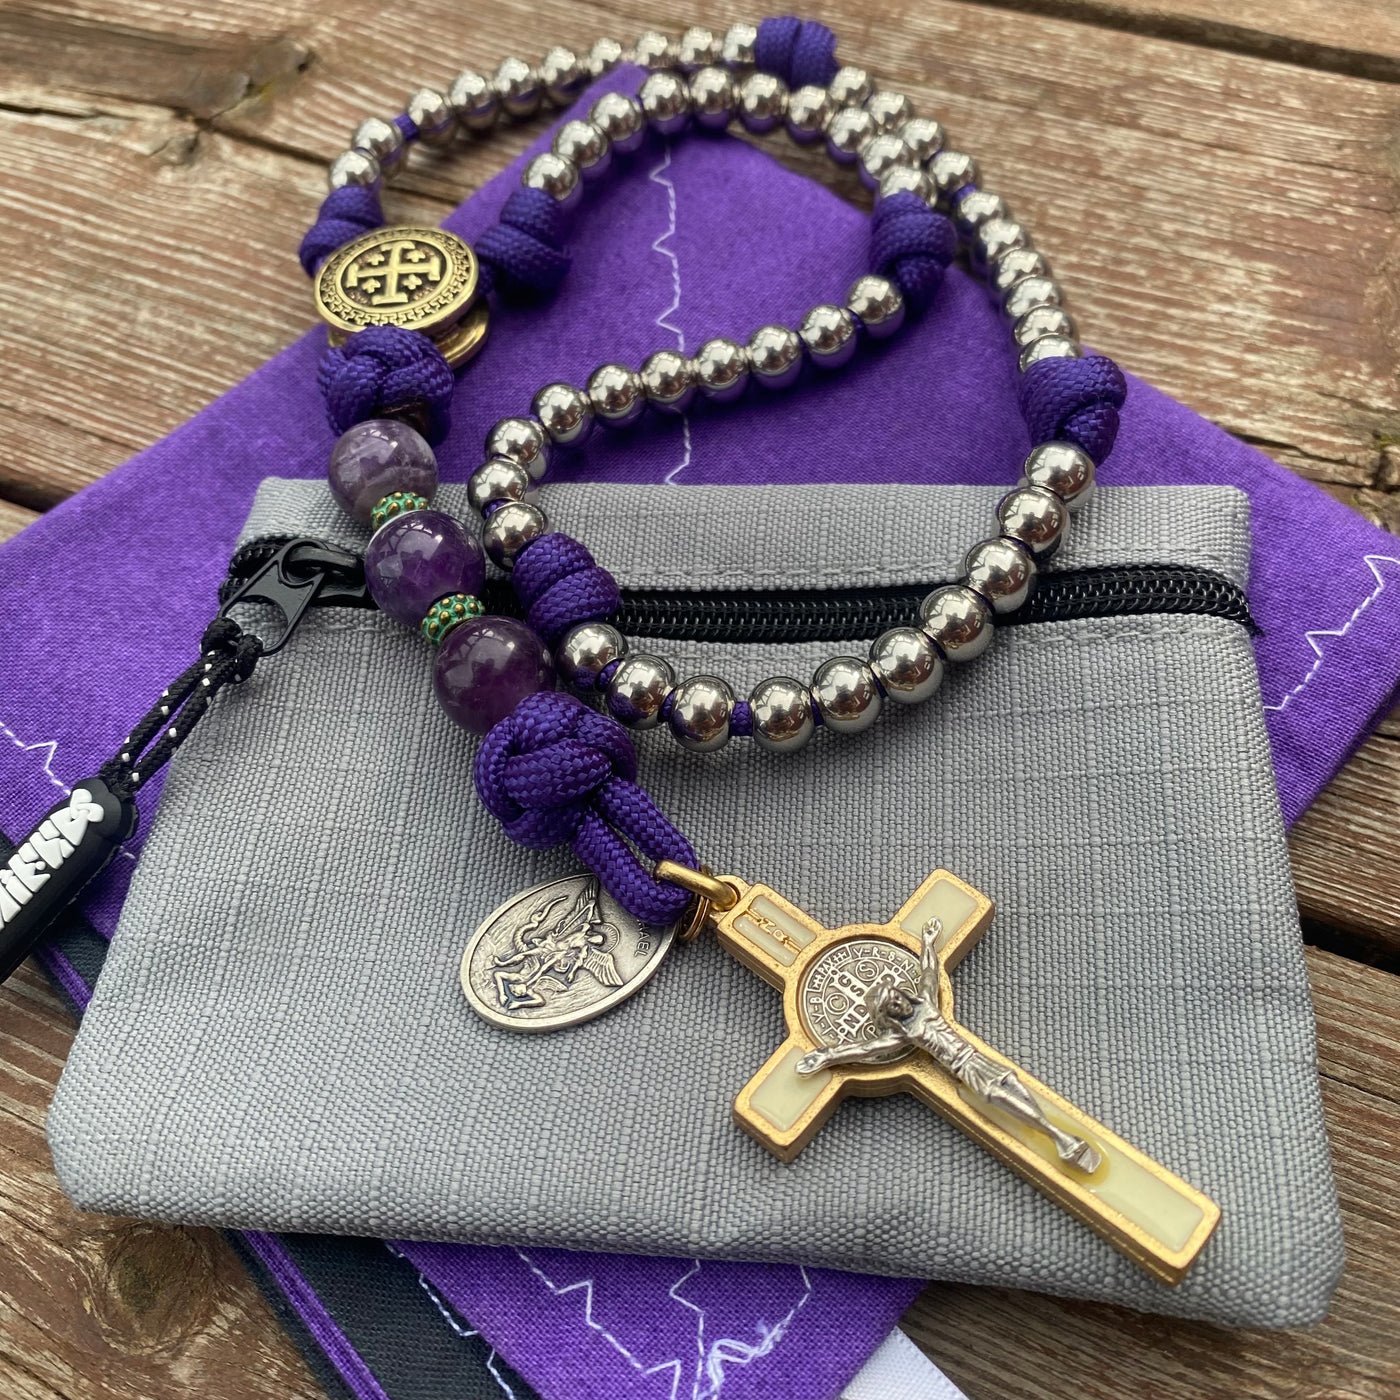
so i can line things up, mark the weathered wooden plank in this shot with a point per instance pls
(1346, 865)
(1228, 233)
(97, 1308)
(1019, 1346)
(13, 519)
(1360, 37)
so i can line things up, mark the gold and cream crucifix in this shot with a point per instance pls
(869, 1011)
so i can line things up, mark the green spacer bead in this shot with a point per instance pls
(395, 504)
(447, 612)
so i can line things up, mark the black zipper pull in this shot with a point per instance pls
(299, 573)
(78, 838)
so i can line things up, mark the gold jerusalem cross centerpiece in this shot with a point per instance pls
(869, 1011)
(421, 279)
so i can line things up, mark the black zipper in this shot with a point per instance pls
(833, 614)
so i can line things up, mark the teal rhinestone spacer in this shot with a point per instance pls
(447, 612)
(395, 504)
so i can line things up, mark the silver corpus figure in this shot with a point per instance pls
(902, 1021)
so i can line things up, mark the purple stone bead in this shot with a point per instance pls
(416, 559)
(374, 459)
(488, 665)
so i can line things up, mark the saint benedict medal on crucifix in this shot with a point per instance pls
(869, 1011)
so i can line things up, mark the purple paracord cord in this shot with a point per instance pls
(555, 770)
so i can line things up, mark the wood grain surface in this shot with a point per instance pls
(1219, 183)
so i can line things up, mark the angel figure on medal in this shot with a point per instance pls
(904, 1022)
(545, 951)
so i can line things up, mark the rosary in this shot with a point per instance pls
(868, 1007)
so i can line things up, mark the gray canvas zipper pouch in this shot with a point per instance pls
(279, 1040)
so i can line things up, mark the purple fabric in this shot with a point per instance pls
(707, 238)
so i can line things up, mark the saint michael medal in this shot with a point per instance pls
(869, 1012)
(559, 954)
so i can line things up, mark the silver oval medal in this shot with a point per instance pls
(559, 954)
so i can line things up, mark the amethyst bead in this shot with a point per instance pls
(488, 665)
(377, 457)
(413, 561)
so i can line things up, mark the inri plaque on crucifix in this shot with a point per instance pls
(869, 1011)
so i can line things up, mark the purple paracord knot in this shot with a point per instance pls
(523, 253)
(560, 583)
(387, 369)
(912, 245)
(554, 771)
(1074, 400)
(345, 213)
(800, 52)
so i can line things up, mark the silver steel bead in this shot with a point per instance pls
(617, 395)
(808, 109)
(845, 691)
(1002, 571)
(698, 48)
(562, 75)
(603, 57)
(1049, 347)
(654, 50)
(721, 369)
(510, 529)
(566, 413)
(907, 665)
(952, 171)
(890, 109)
(973, 210)
(737, 49)
(1036, 517)
(701, 709)
(382, 140)
(783, 721)
(475, 101)
(522, 440)
(829, 333)
(665, 99)
(620, 118)
(762, 102)
(996, 237)
(1029, 293)
(1043, 320)
(851, 87)
(1060, 467)
(880, 155)
(518, 86)
(906, 179)
(669, 380)
(1012, 266)
(586, 650)
(497, 479)
(353, 168)
(713, 98)
(959, 621)
(637, 691)
(584, 147)
(923, 136)
(557, 177)
(848, 129)
(432, 114)
(878, 304)
(775, 356)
